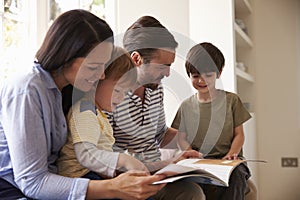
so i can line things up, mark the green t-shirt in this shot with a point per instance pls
(210, 126)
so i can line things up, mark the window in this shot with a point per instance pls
(14, 36)
(23, 24)
(57, 7)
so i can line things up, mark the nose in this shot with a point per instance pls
(100, 73)
(166, 72)
(102, 76)
(201, 79)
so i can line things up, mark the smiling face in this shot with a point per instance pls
(111, 93)
(83, 73)
(204, 83)
(150, 74)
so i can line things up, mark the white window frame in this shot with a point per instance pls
(1, 23)
(37, 23)
(10, 64)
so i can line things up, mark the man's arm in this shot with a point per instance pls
(182, 142)
(154, 166)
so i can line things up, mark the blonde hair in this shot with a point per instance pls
(121, 66)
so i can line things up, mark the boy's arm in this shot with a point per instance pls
(128, 163)
(94, 159)
(105, 162)
(182, 142)
(237, 143)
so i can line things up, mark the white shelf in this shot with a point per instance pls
(244, 75)
(243, 6)
(242, 39)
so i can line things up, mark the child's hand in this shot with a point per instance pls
(130, 163)
(233, 156)
(187, 154)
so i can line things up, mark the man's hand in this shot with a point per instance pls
(187, 154)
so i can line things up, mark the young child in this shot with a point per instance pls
(211, 121)
(88, 151)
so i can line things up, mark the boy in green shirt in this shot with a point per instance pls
(211, 121)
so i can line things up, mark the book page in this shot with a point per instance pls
(197, 178)
(197, 162)
(207, 171)
(219, 168)
(174, 169)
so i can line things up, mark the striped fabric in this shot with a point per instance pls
(140, 127)
(86, 124)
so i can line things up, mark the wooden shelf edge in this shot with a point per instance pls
(244, 75)
(242, 38)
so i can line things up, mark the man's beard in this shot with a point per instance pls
(152, 86)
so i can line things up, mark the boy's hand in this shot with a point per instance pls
(233, 156)
(130, 163)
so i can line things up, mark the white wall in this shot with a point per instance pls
(277, 60)
(248, 149)
(174, 15)
(211, 21)
(277, 103)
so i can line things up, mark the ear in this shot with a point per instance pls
(136, 57)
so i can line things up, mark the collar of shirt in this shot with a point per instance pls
(45, 76)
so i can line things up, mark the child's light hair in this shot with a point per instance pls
(121, 66)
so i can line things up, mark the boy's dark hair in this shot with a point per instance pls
(73, 34)
(146, 36)
(203, 58)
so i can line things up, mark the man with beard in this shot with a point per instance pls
(138, 122)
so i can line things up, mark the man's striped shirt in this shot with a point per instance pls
(138, 126)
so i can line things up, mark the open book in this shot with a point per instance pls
(207, 171)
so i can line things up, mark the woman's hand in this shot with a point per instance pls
(130, 163)
(132, 185)
(136, 185)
